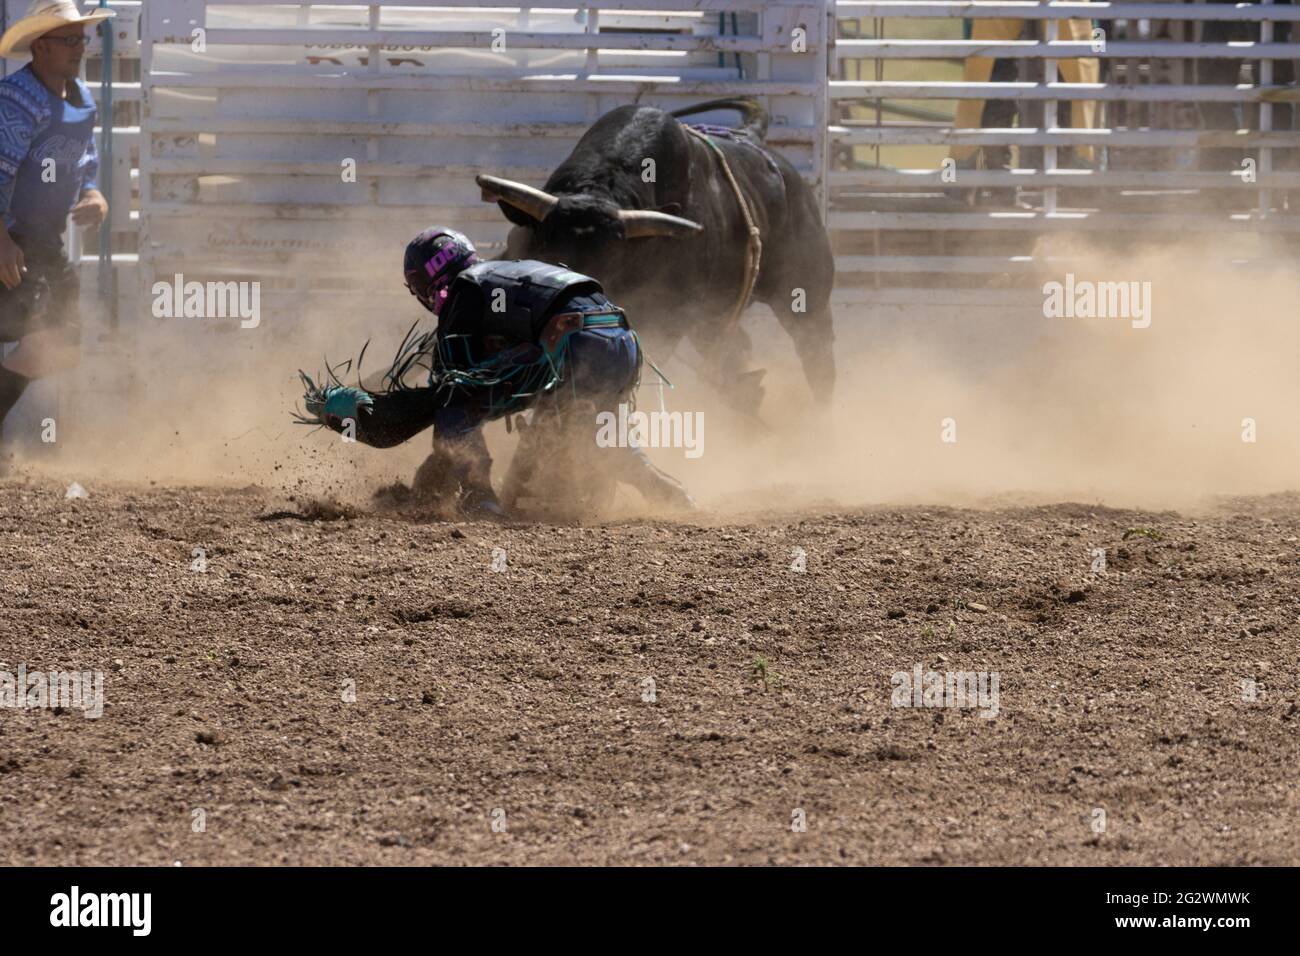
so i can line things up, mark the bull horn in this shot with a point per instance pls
(642, 223)
(530, 201)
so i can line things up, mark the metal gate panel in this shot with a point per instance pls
(249, 120)
(923, 232)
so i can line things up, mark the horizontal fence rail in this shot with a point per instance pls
(1063, 49)
(1101, 10)
(897, 89)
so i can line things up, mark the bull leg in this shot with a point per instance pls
(797, 288)
(727, 359)
(813, 333)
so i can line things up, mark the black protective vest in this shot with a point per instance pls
(518, 294)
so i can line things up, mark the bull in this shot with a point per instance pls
(647, 207)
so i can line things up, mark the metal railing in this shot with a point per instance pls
(901, 225)
(243, 143)
(862, 112)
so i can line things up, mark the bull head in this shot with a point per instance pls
(537, 204)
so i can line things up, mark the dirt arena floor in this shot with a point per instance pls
(647, 692)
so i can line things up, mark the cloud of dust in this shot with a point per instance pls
(202, 401)
(1088, 409)
(1041, 408)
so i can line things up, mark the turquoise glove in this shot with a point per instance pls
(333, 405)
(342, 403)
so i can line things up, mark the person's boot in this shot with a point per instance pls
(479, 502)
(656, 486)
(435, 479)
(669, 493)
(12, 386)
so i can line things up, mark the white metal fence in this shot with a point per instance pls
(304, 144)
(936, 233)
(241, 140)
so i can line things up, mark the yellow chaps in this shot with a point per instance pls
(1083, 113)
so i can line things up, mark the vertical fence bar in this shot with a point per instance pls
(145, 261)
(375, 65)
(591, 62)
(877, 239)
(878, 28)
(823, 12)
(1050, 116)
(107, 274)
(1265, 79)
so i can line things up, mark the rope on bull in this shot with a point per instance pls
(754, 250)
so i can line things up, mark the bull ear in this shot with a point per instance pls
(534, 204)
(514, 215)
(643, 223)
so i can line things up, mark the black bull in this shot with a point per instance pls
(646, 208)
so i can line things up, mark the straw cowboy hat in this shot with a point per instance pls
(42, 17)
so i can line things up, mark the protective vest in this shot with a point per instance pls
(525, 290)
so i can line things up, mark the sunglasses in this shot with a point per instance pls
(69, 41)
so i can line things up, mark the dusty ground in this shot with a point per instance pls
(516, 697)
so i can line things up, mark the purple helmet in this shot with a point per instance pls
(433, 260)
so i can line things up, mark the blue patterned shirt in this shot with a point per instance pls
(36, 126)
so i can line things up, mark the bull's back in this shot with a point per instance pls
(610, 157)
(609, 160)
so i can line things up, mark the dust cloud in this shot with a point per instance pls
(1041, 409)
(1083, 409)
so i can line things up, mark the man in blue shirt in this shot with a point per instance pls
(48, 170)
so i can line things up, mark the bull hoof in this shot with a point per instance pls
(744, 394)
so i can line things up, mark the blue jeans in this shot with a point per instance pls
(48, 296)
